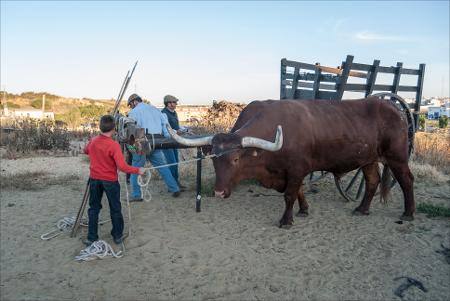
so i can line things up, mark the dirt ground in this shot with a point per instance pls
(231, 250)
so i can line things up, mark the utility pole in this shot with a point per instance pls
(43, 105)
(5, 103)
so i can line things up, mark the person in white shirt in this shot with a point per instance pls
(152, 120)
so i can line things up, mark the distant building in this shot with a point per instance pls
(31, 113)
(434, 112)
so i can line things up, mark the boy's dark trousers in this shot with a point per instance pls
(112, 190)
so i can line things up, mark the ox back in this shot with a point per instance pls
(336, 136)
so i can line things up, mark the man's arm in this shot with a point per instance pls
(121, 164)
(164, 122)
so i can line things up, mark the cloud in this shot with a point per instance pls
(376, 37)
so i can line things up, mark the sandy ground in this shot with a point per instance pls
(232, 250)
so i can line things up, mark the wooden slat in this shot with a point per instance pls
(339, 71)
(356, 87)
(282, 77)
(347, 66)
(372, 77)
(316, 83)
(328, 95)
(361, 67)
(410, 71)
(407, 89)
(419, 88)
(321, 86)
(397, 75)
(303, 94)
(294, 83)
(386, 69)
(300, 65)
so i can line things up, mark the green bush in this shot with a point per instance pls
(37, 104)
(422, 122)
(443, 122)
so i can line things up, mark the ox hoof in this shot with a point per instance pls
(408, 218)
(286, 226)
(358, 212)
(302, 213)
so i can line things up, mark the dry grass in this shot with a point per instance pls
(433, 149)
(34, 180)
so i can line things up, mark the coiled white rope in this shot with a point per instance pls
(144, 185)
(98, 249)
(64, 225)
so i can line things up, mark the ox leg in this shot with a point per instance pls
(405, 178)
(302, 203)
(372, 180)
(290, 196)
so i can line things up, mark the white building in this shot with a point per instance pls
(434, 112)
(31, 113)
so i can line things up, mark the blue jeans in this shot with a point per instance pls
(112, 190)
(172, 157)
(157, 158)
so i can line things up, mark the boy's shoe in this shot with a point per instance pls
(88, 242)
(136, 200)
(176, 194)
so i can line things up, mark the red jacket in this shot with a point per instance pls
(106, 157)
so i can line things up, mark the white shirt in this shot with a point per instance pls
(149, 118)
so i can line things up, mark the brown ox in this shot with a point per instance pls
(334, 136)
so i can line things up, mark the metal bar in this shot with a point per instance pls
(199, 181)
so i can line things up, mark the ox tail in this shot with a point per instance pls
(385, 184)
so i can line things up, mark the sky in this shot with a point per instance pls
(210, 50)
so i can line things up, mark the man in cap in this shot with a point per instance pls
(170, 105)
(153, 121)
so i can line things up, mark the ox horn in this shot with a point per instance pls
(264, 144)
(189, 142)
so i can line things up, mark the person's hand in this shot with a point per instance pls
(141, 170)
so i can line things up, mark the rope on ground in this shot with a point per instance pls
(64, 225)
(98, 249)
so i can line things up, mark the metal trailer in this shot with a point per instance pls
(313, 81)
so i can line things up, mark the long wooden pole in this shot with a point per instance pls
(85, 199)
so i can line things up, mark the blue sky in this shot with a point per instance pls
(201, 51)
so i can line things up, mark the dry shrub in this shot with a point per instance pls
(34, 180)
(28, 135)
(433, 149)
(31, 136)
(427, 172)
(220, 117)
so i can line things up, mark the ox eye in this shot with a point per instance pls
(235, 160)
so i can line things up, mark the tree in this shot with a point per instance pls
(422, 122)
(443, 122)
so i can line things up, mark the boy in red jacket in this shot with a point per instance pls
(106, 157)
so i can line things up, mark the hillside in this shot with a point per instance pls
(73, 111)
